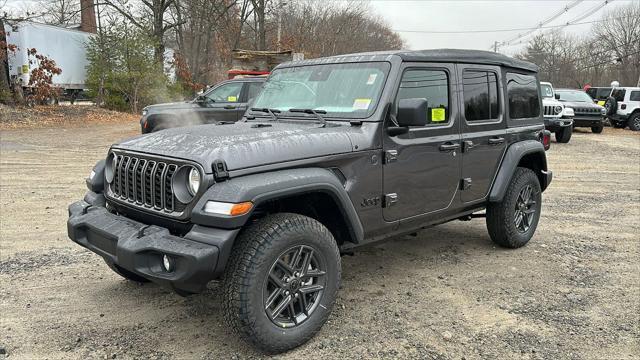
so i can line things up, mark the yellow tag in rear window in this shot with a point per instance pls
(232, 98)
(437, 115)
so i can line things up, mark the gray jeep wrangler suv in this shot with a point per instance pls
(335, 153)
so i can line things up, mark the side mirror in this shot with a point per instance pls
(412, 112)
(557, 96)
(201, 99)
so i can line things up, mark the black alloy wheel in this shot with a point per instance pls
(294, 286)
(525, 209)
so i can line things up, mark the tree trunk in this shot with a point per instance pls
(4, 66)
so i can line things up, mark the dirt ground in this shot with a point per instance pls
(572, 293)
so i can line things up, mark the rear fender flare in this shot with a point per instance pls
(510, 162)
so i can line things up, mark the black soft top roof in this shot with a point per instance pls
(466, 56)
(435, 55)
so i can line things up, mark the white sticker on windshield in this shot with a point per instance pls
(361, 104)
(372, 79)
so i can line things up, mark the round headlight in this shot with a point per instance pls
(557, 109)
(194, 181)
(109, 170)
(144, 112)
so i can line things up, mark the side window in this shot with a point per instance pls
(592, 92)
(618, 94)
(254, 89)
(226, 93)
(522, 91)
(432, 85)
(480, 90)
(634, 96)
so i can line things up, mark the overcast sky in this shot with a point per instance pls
(460, 15)
(409, 17)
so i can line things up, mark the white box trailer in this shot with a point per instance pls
(67, 47)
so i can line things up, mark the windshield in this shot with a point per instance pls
(547, 91)
(577, 96)
(342, 90)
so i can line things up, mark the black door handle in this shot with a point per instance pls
(229, 107)
(496, 141)
(448, 146)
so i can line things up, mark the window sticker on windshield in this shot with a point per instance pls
(232, 98)
(361, 104)
(372, 79)
(437, 115)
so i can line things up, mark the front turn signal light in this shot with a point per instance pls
(229, 209)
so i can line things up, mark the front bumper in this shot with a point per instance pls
(554, 124)
(588, 121)
(198, 257)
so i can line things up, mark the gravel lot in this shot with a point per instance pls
(572, 293)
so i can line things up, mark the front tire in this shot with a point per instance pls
(634, 122)
(564, 135)
(281, 282)
(596, 129)
(513, 221)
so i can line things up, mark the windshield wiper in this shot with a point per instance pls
(271, 112)
(316, 112)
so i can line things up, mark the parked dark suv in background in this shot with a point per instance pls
(335, 153)
(585, 112)
(226, 102)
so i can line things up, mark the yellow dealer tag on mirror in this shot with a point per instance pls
(232, 98)
(437, 115)
(601, 102)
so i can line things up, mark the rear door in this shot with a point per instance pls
(483, 128)
(250, 90)
(422, 168)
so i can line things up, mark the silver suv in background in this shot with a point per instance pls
(558, 118)
(623, 108)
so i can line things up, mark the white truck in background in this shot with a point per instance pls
(67, 47)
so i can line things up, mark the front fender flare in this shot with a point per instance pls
(262, 187)
(510, 162)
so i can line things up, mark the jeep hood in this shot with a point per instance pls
(186, 105)
(244, 144)
(581, 104)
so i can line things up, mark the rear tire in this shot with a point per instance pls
(597, 129)
(634, 122)
(564, 135)
(513, 221)
(277, 257)
(126, 273)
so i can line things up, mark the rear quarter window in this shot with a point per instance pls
(634, 96)
(523, 96)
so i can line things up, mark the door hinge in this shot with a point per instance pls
(390, 200)
(390, 156)
(465, 183)
(220, 171)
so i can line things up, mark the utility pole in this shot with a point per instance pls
(495, 46)
(281, 4)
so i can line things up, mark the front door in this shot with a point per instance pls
(223, 103)
(483, 129)
(422, 167)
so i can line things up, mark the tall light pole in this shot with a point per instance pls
(281, 4)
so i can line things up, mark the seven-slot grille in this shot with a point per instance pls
(145, 183)
(550, 110)
(588, 111)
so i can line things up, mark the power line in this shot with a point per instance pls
(545, 22)
(496, 30)
(571, 22)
